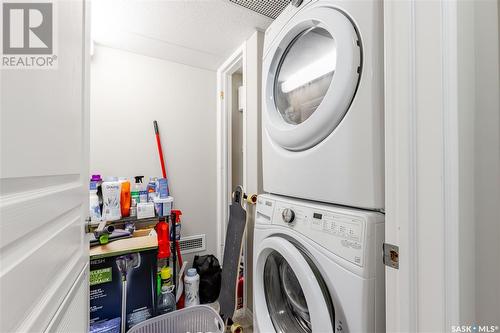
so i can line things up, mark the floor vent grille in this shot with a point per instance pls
(192, 244)
(269, 8)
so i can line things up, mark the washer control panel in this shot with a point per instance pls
(337, 231)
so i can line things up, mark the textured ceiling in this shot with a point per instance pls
(198, 33)
(269, 8)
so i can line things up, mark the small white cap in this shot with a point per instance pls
(191, 272)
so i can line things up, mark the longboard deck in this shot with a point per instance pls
(232, 253)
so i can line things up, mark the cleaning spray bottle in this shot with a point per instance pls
(135, 195)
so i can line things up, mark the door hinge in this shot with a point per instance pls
(391, 255)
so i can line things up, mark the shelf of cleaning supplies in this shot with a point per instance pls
(121, 223)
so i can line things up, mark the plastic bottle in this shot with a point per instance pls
(166, 300)
(98, 181)
(143, 194)
(191, 287)
(166, 276)
(125, 197)
(152, 189)
(135, 195)
(94, 207)
(111, 196)
(163, 191)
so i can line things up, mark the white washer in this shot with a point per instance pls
(317, 268)
(323, 126)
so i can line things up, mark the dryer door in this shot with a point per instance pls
(311, 74)
(290, 294)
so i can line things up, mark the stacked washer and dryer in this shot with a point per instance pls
(318, 264)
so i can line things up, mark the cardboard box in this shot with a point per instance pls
(128, 266)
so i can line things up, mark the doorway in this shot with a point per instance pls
(231, 142)
(236, 130)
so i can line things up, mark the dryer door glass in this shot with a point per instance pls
(284, 296)
(311, 72)
(304, 74)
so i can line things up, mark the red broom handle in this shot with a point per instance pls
(160, 150)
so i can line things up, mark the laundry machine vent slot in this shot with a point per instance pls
(269, 8)
(192, 244)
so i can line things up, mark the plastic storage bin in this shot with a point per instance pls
(163, 206)
(200, 318)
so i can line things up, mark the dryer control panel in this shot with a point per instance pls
(344, 232)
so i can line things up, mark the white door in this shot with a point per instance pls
(311, 74)
(43, 180)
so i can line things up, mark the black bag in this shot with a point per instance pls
(209, 270)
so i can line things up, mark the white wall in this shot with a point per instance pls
(128, 92)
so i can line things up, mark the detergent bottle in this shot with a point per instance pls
(125, 197)
(191, 287)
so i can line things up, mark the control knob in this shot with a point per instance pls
(288, 215)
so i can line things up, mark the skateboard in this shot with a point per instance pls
(232, 252)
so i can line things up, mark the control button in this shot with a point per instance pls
(288, 215)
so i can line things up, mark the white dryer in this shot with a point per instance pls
(323, 126)
(317, 268)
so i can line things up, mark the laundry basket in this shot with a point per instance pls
(196, 319)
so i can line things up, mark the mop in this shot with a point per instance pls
(126, 264)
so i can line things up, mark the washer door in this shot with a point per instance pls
(311, 74)
(295, 295)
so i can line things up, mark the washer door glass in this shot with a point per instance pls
(305, 74)
(284, 296)
(290, 292)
